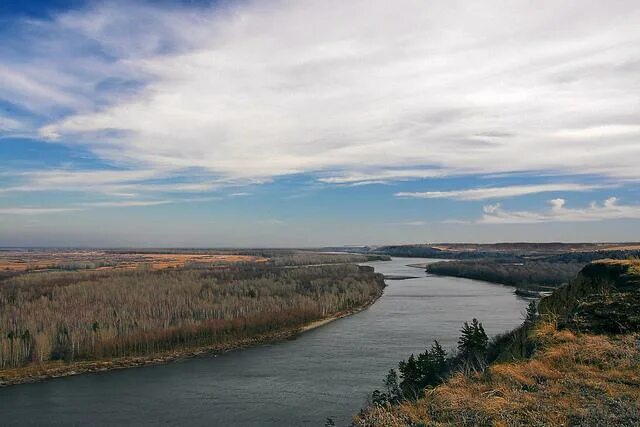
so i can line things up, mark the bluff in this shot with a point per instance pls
(604, 298)
(576, 363)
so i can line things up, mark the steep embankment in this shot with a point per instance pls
(604, 298)
(579, 364)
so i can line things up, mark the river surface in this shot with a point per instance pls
(326, 372)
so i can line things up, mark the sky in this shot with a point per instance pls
(311, 123)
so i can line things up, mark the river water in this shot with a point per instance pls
(326, 372)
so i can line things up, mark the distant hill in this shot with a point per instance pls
(501, 250)
(553, 252)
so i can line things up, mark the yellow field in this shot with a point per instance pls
(45, 259)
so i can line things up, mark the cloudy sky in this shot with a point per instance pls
(279, 123)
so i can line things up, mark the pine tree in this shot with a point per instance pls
(394, 394)
(439, 357)
(473, 343)
(410, 372)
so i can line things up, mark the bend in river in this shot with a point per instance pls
(326, 372)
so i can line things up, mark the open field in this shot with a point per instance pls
(23, 260)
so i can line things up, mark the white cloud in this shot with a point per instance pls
(380, 176)
(55, 178)
(270, 221)
(123, 195)
(34, 210)
(262, 89)
(120, 183)
(31, 210)
(558, 212)
(414, 223)
(32, 90)
(497, 192)
(92, 181)
(9, 124)
(128, 203)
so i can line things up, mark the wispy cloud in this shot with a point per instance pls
(558, 212)
(121, 183)
(128, 203)
(9, 124)
(247, 91)
(53, 178)
(35, 210)
(413, 223)
(270, 221)
(179, 101)
(497, 192)
(381, 176)
(75, 207)
(112, 181)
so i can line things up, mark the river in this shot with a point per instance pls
(325, 372)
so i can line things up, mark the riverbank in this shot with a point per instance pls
(318, 323)
(530, 278)
(60, 369)
(98, 321)
(573, 362)
(326, 372)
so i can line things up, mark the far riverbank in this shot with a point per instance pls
(60, 369)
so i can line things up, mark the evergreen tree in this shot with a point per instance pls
(394, 394)
(410, 372)
(439, 358)
(427, 369)
(473, 343)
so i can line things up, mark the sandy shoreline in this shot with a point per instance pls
(322, 322)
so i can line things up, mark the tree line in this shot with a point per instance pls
(527, 274)
(90, 315)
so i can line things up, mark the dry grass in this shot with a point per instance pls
(632, 247)
(33, 260)
(632, 263)
(161, 261)
(573, 379)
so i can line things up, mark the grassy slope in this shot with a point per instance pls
(583, 371)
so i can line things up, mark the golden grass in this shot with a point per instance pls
(632, 263)
(588, 378)
(21, 261)
(621, 248)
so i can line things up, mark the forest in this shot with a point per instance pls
(508, 252)
(102, 314)
(528, 274)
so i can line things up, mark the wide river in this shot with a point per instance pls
(326, 372)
